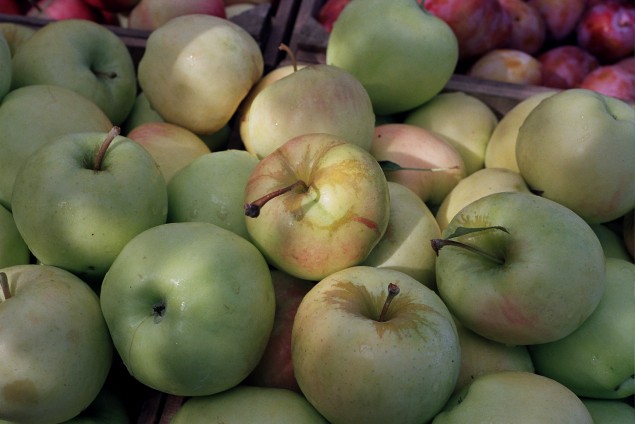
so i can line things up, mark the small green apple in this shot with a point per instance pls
(373, 345)
(13, 249)
(56, 350)
(190, 307)
(605, 411)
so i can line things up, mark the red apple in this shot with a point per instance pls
(10, 7)
(508, 65)
(529, 29)
(329, 12)
(275, 368)
(566, 66)
(607, 30)
(116, 6)
(63, 9)
(151, 14)
(612, 80)
(479, 25)
(561, 17)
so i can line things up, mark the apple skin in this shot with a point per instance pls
(376, 50)
(507, 65)
(13, 249)
(330, 11)
(151, 14)
(31, 116)
(559, 157)
(606, 411)
(50, 314)
(354, 368)
(549, 254)
(212, 64)
(75, 218)
(16, 34)
(514, 397)
(246, 404)
(529, 28)
(596, 360)
(561, 17)
(83, 56)
(612, 242)
(445, 111)
(611, 80)
(211, 189)
(107, 408)
(566, 66)
(198, 296)
(332, 224)
(5, 65)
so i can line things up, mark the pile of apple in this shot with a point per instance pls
(378, 250)
(559, 44)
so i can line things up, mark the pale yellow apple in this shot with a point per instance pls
(501, 148)
(172, 146)
(466, 121)
(479, 184)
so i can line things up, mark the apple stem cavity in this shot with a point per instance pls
(286, 49)
(4, 283)
(99, 157)
(437, 244)
(393, 290)
(252, 210)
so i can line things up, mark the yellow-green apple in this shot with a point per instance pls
(6, 69)
(314, 99)
(609, 411)
(16, 34)
(82, 56)
(506, 262)
(501, 147)
(480, 356)
(584, 159)
(374, 345)
(405, 245)
(190, 307)
(479, 184)
(246, 404)
(56, 348)
(275, 368)
(32, 116)
(596, 360)
(196, 69)
(316, 204)
(426, 162)
(466, 122)
(80, 198)
(212, 189)
(514, 397)
(171, 146)
(13, 249)
(401, 53)
(151, 14)
(507, 65)
(612, 242)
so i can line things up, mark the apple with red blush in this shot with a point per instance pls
(612, 80)
(561, 17)
(566, 66)
(607, 30)
(529, 29)
(63, 9)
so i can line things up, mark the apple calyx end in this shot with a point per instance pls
(252, 209)
(99, 156)
(158, 311)
(393, 290)
(4, 283)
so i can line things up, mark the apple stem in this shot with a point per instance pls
(286, 49)
(437, 244)
(4, 283)
(393, 290)
(252, 209)
(99, 157)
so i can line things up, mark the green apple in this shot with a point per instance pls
(405, 245)
(196, 70)
(56, 350)
(427, 163)
(596, 360)
(466, 122)
(316, 205)
(83, 56)
(481, 356)
(577, 148)
(171, 146)
(374, 345)
(16, 34)
(80, 198)
(612, 242)
(212, 189)
(6, 68)
(190, 307)
(628, 232)
(13, 249)
(140, 113)
(401, 53)
(514, 397)
(315, 99)
(605, 411)
(500, 151)
(476, 185)
(107, 408)
(32, 116)
(246, 404)
(519, 269)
